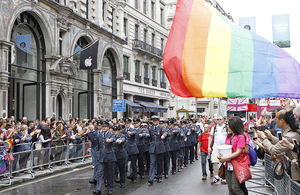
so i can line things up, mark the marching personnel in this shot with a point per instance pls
(167, 147)
(192, 140)
(121, 155)
(105, 158)
(139, 139)
(156, 150)
(181, 137)
(198, 131)
(93, 137)
(131, 148)
(187, 143)
(144, 126)
(173, 143)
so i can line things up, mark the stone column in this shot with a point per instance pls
(4, 77)
(97, 92)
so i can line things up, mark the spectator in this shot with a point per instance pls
(275, 148)
(45, 138)
(2, 126)
(37, 124)
(30, 126)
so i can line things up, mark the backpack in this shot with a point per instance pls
(252, 155)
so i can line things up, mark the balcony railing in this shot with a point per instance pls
(154, 82)
(126, 75)
(138, 79)
(146, 80)
(162, 84)
(146, 47)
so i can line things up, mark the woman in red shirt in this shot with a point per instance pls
(203, 145)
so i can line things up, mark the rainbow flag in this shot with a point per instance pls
(8, 144)
(206, 55)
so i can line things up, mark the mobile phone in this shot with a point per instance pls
(279, 136)
(254, 138)
(295, 142)
(261, 128)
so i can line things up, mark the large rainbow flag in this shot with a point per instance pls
(206, 55)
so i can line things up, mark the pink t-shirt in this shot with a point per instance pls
(237, 141)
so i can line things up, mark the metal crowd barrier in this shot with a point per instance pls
(285, 186)
(33, 156)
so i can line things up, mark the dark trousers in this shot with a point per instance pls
(156, 159)
(166, 163)
(120, 165)
(108, 170)
(133, 159)
(196, 149)
(192, 152)
(186, 154)
(141, 163)
(174, 160)
(147, 158)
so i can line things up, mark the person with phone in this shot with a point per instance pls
(276, 148)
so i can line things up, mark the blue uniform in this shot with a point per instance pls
(121, 156)
(187, 144)
(174, 147)
(167, 153)
(142, 149)
(105, 158)
(156, 150)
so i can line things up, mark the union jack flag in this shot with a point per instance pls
(237, 104)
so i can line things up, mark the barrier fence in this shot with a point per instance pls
(285, 186)
(33, 156)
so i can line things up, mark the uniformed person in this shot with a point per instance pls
(166, 160)
(92, 144)
(131, 147)
(173, 143)
(198, 131)
(187, 143)
(192, 140)
(139, 139)
(121, 155)
(105, 158)
(145, 127)
(181, 137)
(156, 150)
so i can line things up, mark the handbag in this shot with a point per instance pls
(221, 172)
(241, 169)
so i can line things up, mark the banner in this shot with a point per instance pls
(88, 57)
(281, 30)
(248, 23)
(23, 42)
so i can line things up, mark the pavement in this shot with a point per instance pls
(73, 180)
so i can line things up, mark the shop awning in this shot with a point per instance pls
(134, 107)
(153, 107)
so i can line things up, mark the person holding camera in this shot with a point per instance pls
(275, 148)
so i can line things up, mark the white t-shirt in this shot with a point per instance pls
(220, 135)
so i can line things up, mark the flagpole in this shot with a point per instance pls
(88, 45)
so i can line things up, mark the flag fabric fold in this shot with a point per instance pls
(88, 57)
(206, 55)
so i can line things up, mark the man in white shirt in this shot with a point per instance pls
(217, 136)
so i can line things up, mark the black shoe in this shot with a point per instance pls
(92, 181)
(109, 192)
(166, 176)
(173, 173)
(150, 182)
(97, 192)
(196, 158)
(117, 181)
(159, 180)
(193, 160)
(191, 163)
(134, 181)
(178, 170)
(122, 186)
(185, 165)
(156, 177)
(142, 177)
(130, 177)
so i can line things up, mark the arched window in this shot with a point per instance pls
(109, 85)
(27, 69)
(83, 86)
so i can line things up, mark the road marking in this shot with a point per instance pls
(42, 179)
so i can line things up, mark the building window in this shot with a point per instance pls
(153, 73)
(125, 26)
(125, 63)
(60, 42)
(103, 10)
(145, 35)
(161, 16)
(146, 70)
(137, 68)
(136, 32)
(136, 4)
(162, 44)
(145, 7)
(153, 40)
(162, 76)
(152, 10)
(112, 20)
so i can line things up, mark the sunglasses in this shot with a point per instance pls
(219, 119)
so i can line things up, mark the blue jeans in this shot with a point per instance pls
(203, 163)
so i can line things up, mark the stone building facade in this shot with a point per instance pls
(40, 75)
